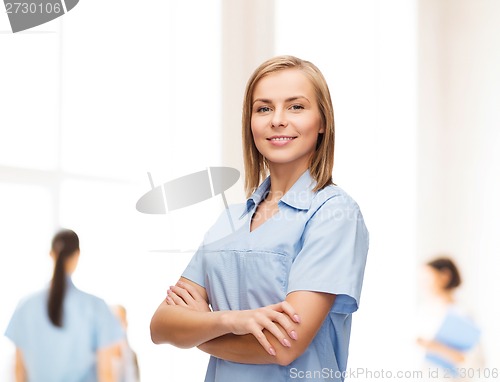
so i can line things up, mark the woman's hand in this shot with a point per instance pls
(272, 318)
(423, 342)
(184, 294)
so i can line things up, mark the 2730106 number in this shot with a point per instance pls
(33, 8)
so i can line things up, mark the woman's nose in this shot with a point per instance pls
(279, 119)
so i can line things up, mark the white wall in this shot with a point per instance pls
(458, 156)
(248, 38)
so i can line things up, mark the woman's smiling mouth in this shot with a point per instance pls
(280, 140)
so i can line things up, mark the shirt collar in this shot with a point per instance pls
(299, 196)
(259, 194)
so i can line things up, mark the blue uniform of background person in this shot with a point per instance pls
(316, 242)
(67, 354)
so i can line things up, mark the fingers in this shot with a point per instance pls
(290, 311)
(262, 339)
(274, 329)
(169, 301)
(287, 325)
(285, 317)
(191, 290)
(256, 322)
(174, 299)
(267, 319)
(270, 319)
(183, 294)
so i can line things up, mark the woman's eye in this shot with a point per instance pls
(263, 109)
(296, 107)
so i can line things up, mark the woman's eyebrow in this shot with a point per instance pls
(290, 99)
(263, 100)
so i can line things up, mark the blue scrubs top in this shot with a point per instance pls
(317, 241)
(64, 354)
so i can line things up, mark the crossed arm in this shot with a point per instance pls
(274, 334)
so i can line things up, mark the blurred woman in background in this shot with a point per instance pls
(62, 334)
(449, 335)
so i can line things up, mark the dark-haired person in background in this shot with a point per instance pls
(442, 279)
(62, 334)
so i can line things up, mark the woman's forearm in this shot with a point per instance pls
(246, 349)
(177, 323)
(186, 328)
(267, 335)
(20, 371)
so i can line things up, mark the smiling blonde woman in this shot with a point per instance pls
(273, 298)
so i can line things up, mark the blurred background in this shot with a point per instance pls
(92, 101)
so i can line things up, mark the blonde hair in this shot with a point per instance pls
(321, 164)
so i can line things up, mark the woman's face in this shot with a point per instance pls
(285, 119)
(435, 280)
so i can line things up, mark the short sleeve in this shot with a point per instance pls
(195, 270)
(16, 330)
(108, 329)
(333, 254)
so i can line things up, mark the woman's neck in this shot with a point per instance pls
(282, 179)
(446, 297)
